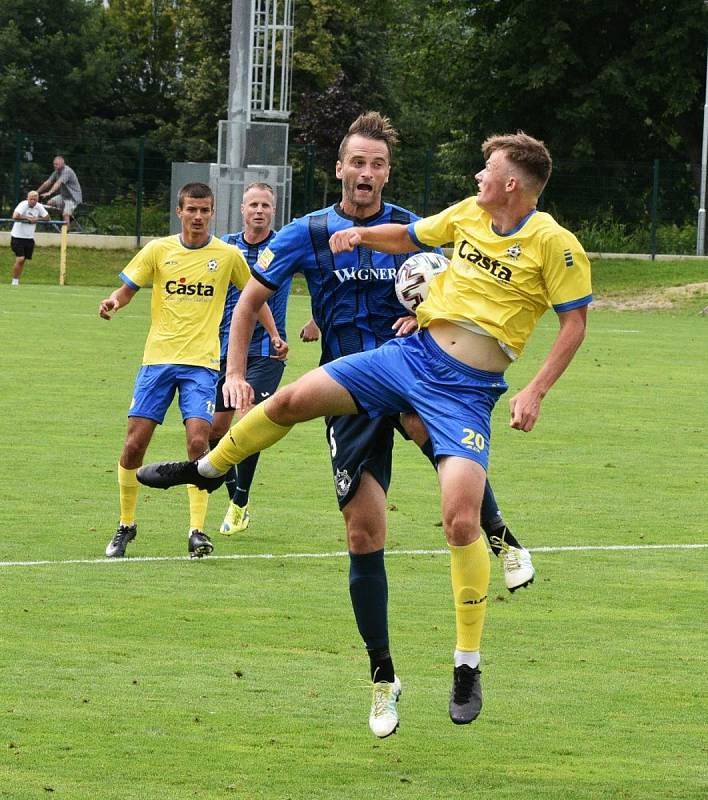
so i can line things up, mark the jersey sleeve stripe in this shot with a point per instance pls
(260, 277)
(571, 304)
(126, 280)
(414, 238)
(428, 248)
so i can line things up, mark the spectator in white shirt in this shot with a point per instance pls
(22, 235)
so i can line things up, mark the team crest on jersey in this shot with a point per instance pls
(514, 251)
(342, 482)
(265, 258)
(212, 265)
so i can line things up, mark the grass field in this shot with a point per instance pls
(242, 675)
(87, 267)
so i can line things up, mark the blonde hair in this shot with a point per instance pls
(264, 187)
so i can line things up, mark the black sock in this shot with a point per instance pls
(427, 449)
(246, 471)
(503, 533)
(368, 589)
(381, 665)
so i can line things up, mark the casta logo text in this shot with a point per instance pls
(182, 287)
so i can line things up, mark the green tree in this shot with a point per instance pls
(58, 73)
(204, 39)
(58, 65)
(593, 78)
(148, 80)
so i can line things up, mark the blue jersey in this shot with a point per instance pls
(260, 343)
(353, 294)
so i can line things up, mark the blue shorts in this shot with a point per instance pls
(414, 374)
(156, 385)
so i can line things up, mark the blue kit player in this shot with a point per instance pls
(263, 370)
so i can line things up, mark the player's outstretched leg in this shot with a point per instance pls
(165, 474)
(251, 434)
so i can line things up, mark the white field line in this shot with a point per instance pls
(341, 554)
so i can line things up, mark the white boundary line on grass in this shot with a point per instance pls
(340, 554)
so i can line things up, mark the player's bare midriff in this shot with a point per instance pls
(474, 349)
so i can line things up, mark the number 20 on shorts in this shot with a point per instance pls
(473, 440)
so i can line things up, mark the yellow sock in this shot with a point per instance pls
(198, 502)
(128, 486)
(251, 434)
(469, 572)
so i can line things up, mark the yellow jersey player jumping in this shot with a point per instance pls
(190, 274)
(510, 264)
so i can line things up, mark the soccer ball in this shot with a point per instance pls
(414, 276)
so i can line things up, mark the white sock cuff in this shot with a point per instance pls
(206, 468)
(470, 658)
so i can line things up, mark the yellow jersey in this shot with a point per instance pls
(503, 283)
(189, 287)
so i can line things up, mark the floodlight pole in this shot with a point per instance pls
(701, 237)
(240, 68)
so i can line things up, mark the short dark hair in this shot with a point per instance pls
(199, 191)
(265, 187)
(371, 125)
(523, 151)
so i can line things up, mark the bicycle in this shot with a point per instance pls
(82, 220)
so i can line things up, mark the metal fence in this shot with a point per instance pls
(613, 206)
(620, 207)
(125, 183)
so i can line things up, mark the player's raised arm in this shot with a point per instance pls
(389, 238)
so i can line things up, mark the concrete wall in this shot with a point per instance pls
(130, 243)
(83, 240)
